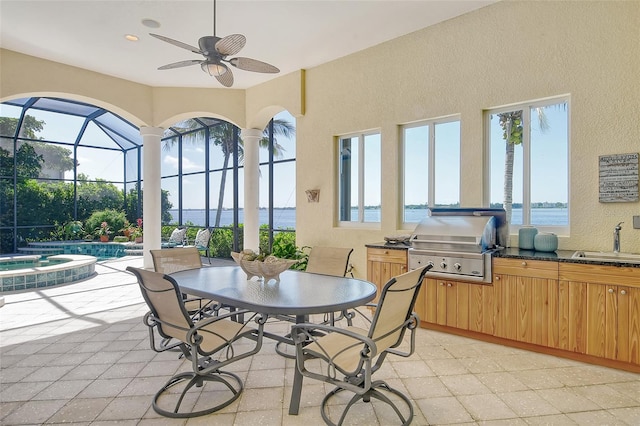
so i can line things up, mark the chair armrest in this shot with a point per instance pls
(301, 332)
(194, 339)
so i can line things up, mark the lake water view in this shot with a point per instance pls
(286, 218)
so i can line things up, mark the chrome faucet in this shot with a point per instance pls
(616, 238)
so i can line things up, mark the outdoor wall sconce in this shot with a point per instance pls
(313, 195)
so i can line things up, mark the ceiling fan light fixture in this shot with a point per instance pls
(213, 68)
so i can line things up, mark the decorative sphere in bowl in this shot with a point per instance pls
(270, 268)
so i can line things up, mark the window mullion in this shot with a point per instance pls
(431, 178)
(361, 184)
(526, 167)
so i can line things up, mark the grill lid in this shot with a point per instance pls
(468, 230)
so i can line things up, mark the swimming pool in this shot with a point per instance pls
(23, 262)
(32, 272)
(102, 251)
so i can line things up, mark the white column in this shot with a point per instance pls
(251, 137)
(151, 198)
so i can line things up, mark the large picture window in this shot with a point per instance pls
(529, 163)
(431, 166)
(359, 182)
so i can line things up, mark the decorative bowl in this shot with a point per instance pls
(268, 269)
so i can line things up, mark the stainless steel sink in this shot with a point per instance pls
(607, 256)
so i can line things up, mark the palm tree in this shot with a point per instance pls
(222, 135)
(511, 124)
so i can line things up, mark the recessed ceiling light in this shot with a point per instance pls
(131, 37)
(150, 23)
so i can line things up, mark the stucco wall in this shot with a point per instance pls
(502, 54)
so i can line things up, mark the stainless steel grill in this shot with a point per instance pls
(458, 242)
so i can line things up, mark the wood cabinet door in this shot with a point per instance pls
(430, 299)
(572, 316)
(383, 264)
(459, 304)
(601, 312)
(611, 318)
(481, 310)
(537, 311)
(505, 293)
(628, 326)
(526, 309)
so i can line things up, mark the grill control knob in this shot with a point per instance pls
(443, 264)
(457, 266)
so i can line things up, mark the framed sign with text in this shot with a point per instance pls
(618, 178)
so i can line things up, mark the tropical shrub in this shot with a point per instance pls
(114, 218)
(221, 243)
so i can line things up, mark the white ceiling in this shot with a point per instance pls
(290, 34)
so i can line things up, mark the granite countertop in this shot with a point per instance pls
(385, 245)
(558, 256)
(516, 253)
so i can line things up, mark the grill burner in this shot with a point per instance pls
(459, 242)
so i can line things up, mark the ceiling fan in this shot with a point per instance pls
(215, 51)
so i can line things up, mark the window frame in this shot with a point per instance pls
(527, 108)
(361, 136)
(431, 149)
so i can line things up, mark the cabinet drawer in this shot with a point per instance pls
(600, 274)
(526, 268)
(387, 255)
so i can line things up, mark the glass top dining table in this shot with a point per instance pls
(297, 293)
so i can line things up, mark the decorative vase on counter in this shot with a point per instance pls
(526, 235)
(546, 241)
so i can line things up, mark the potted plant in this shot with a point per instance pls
(103, 231)
(127, 230)
(136, 234)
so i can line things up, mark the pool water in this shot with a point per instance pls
(14, 265)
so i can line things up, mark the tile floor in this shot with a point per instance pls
(79, 354)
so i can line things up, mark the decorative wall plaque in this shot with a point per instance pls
(619, 178)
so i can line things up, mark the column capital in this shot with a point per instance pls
(151, 131)
(251, 133)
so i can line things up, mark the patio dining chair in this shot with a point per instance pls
(331, 261)
(327, 261)
(356, 353)
(168, 261)
(203, 237)
(210, 344)
(178, 238)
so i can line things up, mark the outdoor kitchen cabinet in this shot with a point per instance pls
(600, 311)
(383, 263)
(526, 301)
(459, 304)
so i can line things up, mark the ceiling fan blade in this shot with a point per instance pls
(226, 79)
(231, 44)
(254, 65)
(180, 64)
(176, 43)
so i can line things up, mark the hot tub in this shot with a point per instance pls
(28, 272)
